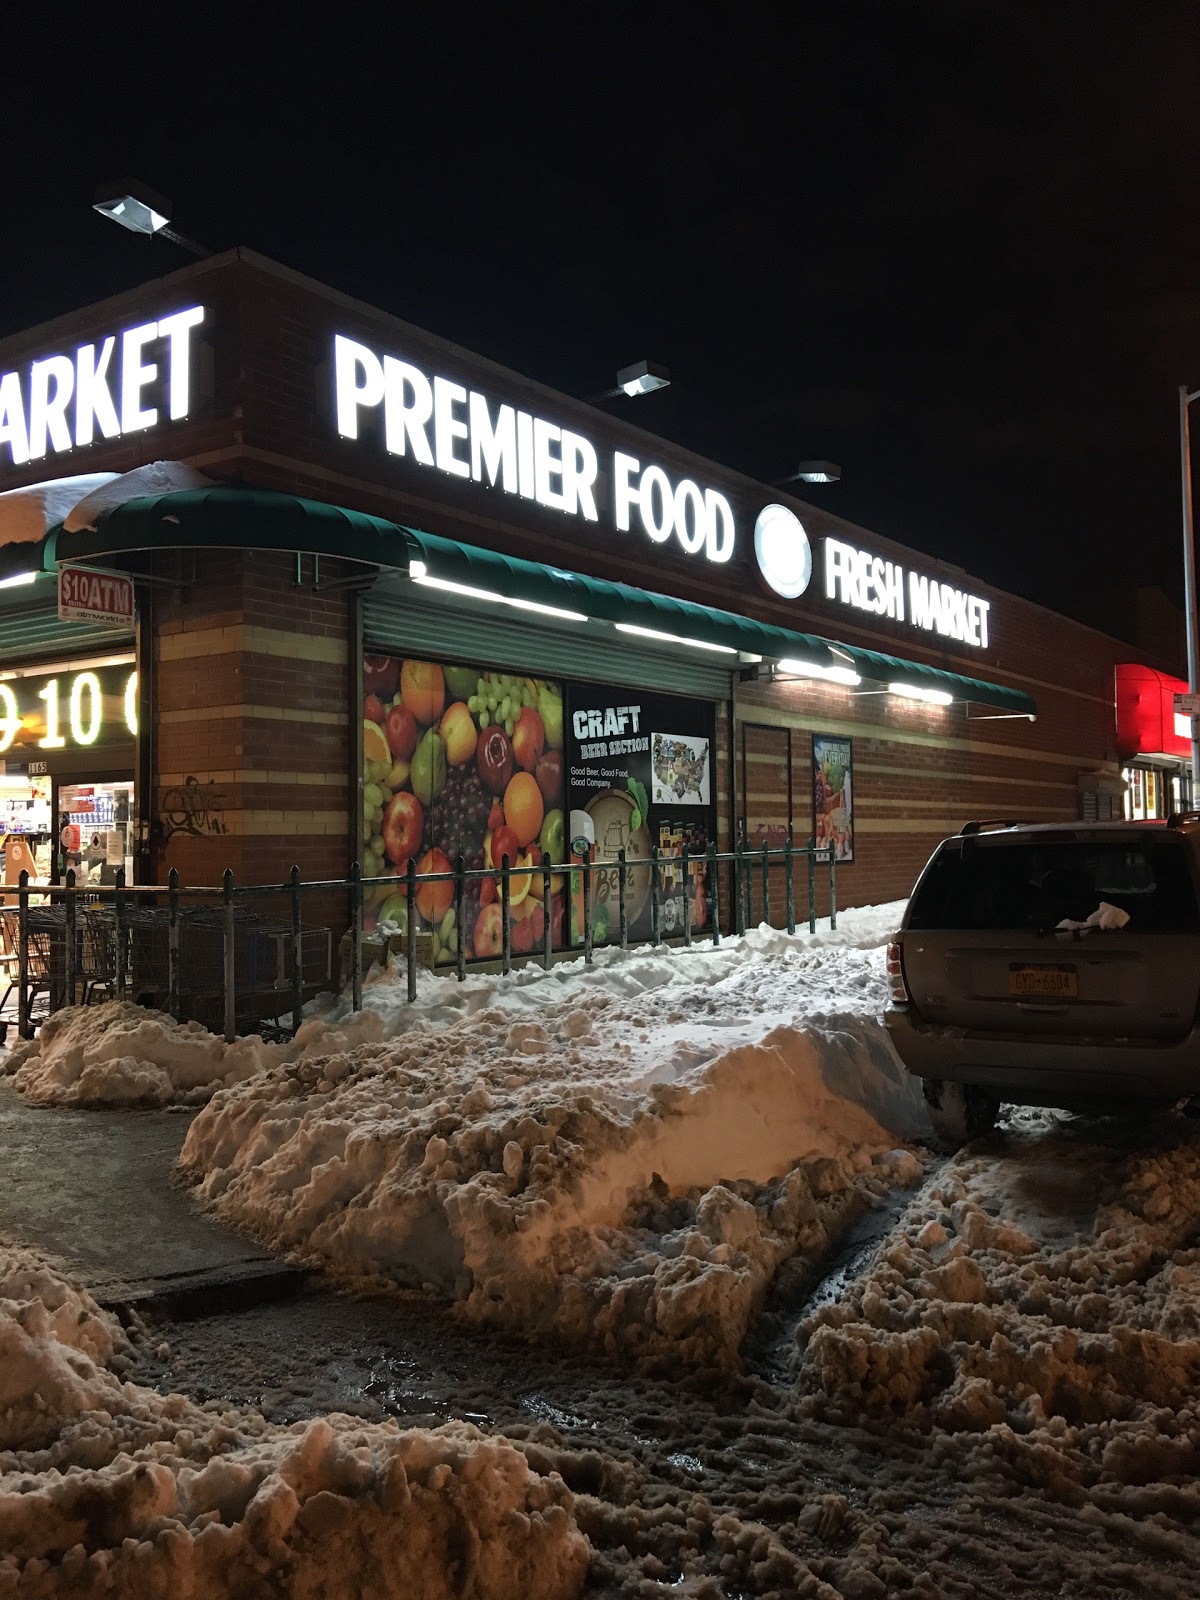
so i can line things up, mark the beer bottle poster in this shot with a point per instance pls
(833, 804)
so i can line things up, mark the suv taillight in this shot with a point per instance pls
(897, 988)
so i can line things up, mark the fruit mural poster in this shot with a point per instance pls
(461, 760)
(833, 804)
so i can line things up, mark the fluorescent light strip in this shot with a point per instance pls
(909, 691)
(810, 669)
(490, 595)
(17, 580)
(674, 638)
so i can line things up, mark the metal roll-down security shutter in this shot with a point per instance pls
(444, 627)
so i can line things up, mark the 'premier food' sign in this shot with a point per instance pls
(459, 431)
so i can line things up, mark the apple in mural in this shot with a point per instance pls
(379, 676)
(459, 734)
(529, 739)
(553, 837)
(374, 709)
(549, 775)
(494, 757)
(489, 932)
(400, 726)
(403, 821)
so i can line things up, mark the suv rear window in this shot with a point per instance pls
(1036, 883)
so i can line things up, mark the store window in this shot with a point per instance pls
(1155, 792)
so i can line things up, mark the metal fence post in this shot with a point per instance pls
(655, 896)
(687, 897)
(623, 896)
(69, 945)
(505, 914)
(766, 871)
(410, 923)
(119, 918)
(739, 889)
(811, 853)
(230, 961)
(460, 915)
(832, 887)
(587, 907)
(23, 1025)
(356, 922)
(173, 942)
(547, 929)
(790, 886)
(713, 889)
(297, 952)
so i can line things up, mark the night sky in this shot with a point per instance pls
(954, 247)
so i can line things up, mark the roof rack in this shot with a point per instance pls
(1176, 817)
(969, 828)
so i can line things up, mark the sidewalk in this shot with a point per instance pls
(98, 1190)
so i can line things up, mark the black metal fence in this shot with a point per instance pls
(248, 950)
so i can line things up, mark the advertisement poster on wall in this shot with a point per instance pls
(833, 804)
(640, 775)
(462, 760)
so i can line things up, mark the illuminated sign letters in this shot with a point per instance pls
(67, 710)
(459, 431)
(64, 401)
(867, 582)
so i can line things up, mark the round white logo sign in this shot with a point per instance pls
(783, 551)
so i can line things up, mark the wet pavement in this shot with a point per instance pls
(97, 1190)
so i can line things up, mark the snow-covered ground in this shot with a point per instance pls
(109, 1488)
(622, 1155)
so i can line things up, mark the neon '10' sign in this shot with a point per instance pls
(67, 710)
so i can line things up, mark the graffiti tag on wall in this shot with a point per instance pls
(194, 808)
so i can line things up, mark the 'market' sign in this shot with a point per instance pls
(119, 385)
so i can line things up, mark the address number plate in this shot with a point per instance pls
(1043, 983)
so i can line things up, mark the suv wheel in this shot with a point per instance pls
(959, 1111)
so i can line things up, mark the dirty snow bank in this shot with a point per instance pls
(109, 1488)
(1027, 1313)
(122, 1054)
(623, 1156)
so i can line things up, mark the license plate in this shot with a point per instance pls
(1043, 983)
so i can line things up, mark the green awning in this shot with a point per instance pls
(234, 518)
(239, 518)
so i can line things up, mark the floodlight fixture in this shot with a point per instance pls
(141, 209)
(643, 377)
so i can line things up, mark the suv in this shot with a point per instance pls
(1008, 980)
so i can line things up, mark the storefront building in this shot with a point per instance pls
(395, 601)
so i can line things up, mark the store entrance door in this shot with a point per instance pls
(95, 830)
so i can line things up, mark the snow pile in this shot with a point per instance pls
(121, 1054)
(1052, 1320)
(109, 1488)
(623, 1156)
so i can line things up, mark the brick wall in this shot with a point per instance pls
(252, 687)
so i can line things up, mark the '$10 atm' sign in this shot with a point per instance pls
(74, 709)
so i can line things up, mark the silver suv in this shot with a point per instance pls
(1051, 965)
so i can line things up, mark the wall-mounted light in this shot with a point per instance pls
(643, 377)
(911, 691)
(815, 472)
(813, 669)
(674, 638)
(17, 579)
